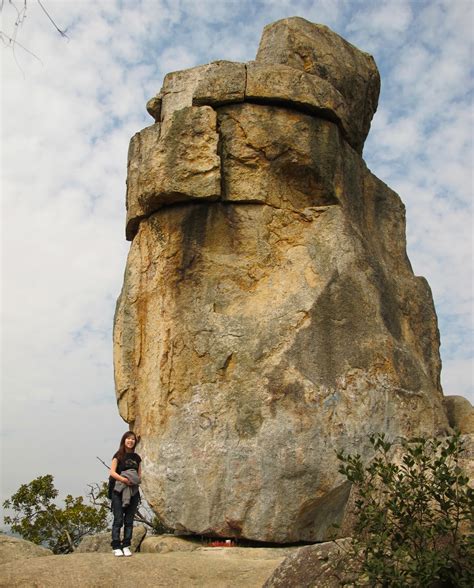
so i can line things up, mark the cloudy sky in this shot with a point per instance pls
(68, 112)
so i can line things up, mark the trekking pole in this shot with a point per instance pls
(103, 462)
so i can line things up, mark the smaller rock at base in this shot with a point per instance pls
(13, 548)
(168, 543)
(460, 413)
(325, 565)
(100, 543)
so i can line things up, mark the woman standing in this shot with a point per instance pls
(126, 470)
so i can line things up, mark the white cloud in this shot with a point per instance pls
(387, 18)
(377, 24)
(458, 376)
(175, 58)
(421, 145)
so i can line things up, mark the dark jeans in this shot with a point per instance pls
(123, 517)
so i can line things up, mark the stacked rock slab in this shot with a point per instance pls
(269, 315)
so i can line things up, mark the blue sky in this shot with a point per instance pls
(67, 117)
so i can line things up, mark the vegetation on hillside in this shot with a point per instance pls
(37, 518)
(414, 510)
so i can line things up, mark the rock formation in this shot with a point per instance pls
(324, 565)
(460, 413)
(14, 548)
(269, 315)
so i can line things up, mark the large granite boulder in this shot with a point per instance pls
(269, 316)
(14, 548)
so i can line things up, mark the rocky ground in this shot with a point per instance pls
(207, 567)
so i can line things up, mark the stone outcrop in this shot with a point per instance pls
(100, 543)
(325, 565)
(13, 548)
(460, 414)
(269, 315)
(168, 543)
(316, 50)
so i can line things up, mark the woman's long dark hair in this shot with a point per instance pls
(122, 451)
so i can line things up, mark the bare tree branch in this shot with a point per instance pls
(19, 15)
(62, 33)
(10, 41)
(103, 462)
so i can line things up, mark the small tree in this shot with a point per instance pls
(38, 519)
(413, 514)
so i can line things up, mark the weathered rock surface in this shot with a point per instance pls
(271, 317)
(460, 413)
(282, 84)
(219, 568)
(168, 165)
(325, 565)
(167, 543)
(100, 543)
(213, 84)
(270, 156)
(466, 461)
(153, 107)
(13, 548)
(317, 50)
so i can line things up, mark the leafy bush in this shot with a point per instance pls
(413, 513)
(38, 519)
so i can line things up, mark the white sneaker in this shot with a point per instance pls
(117, 552)
(127, 552)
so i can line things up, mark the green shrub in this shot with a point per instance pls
(414, 514)
(37, 517)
